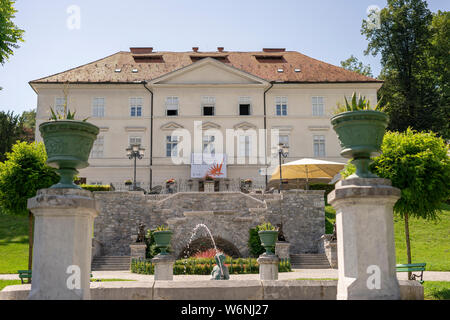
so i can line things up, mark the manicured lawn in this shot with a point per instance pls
(5, 283)
(13, 243)
(436, 290)
(430, 240)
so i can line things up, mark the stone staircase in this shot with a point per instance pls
(309, 261)
(111, 263)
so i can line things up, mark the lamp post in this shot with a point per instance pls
(135, 151)
(283, 151)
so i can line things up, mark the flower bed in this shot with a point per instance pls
(204, 266)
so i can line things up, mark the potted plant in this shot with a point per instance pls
(162, 236)
(268, 235)
(68, 143)
(360, 131)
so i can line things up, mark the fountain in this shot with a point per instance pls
(220, 271)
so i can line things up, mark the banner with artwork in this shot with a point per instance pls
(213, 165)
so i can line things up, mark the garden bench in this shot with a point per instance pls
(26, 274)
(414, 267)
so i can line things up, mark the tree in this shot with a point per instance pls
(28, 125)
(10, 34)
(404, 41)
(353, 64)
(21, 175)
(418, 164)
(9, 132)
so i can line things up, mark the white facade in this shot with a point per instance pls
(219, 95)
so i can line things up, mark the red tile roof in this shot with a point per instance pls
(103, 70)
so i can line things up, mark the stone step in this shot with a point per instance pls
(111, 263)
(309, 261)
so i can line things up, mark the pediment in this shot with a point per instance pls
(245, 126)
(171, 126)
(209, 125)
(209, 71)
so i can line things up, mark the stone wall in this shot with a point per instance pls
(229, 216)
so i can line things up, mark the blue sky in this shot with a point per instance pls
(327, 30)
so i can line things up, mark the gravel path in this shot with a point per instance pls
(296, 274)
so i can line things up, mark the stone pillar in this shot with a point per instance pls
(163, 267)
(365, 238)
(209, 186)
(62, 249)
(282, 249)
(137, 250)
(268, 267)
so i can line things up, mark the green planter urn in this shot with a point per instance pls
(268, 239)
(162, 240)
(68, 144)
(360, 134)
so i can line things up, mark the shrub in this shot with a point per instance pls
(254, 243)
(22, 174)
(94, 187)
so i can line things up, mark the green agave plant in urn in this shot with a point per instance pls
(268, 235)
(360, 131)
(68, 143)
(162, 236)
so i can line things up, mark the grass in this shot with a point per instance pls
(13, 243)
(436, 290)
(5, 283)
(430, 240)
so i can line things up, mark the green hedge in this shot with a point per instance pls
(205, 266)
(322, 186)
(94, 187)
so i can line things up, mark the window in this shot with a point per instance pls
(245, 146)
(172, 106)
(59, 105)
(135, 140)
(136, 107)
(171, 146)
(244, 106)
(208, 106)
(281, 106)
(208, 145)
(97, 148)
(98, 107)
(318, 108)
(96, 183)
(319, 146)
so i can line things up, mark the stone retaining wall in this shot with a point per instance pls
(229, 215)
(216, 290)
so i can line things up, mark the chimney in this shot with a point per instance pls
(274, 49)
(141, 50)
(195, 49)
(220, 49)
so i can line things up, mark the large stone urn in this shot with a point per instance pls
(360, 134)
(68, 144)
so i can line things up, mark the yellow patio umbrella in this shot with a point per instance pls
(307, 169)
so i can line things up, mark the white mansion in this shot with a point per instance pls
(142, 96)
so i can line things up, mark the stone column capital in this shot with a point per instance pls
(364, 189)
(63, 202)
